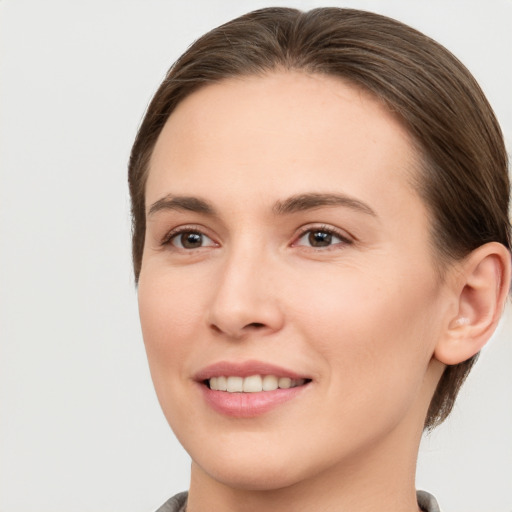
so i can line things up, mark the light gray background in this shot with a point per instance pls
(80, 427)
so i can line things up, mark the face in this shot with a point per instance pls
(286, 248)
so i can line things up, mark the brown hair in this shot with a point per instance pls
(463, 180)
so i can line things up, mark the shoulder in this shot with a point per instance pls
(175, 504)
(427, 502)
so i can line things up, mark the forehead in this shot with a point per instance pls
(283, 133)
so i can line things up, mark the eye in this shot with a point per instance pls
(190, 239)
(321, 237)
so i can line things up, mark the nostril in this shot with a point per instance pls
(236, 332)
(255, 325)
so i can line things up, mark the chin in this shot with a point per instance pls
(251, 461)
(254, 474)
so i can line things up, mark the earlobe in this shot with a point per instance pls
(481, 288)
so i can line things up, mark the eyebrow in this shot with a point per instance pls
(191, 204)
(311, 201)
(293, 204)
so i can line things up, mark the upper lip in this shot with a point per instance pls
(245, 369)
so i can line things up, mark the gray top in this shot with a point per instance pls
(178, 503)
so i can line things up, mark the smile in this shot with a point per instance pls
(253, 383)
(250, 388)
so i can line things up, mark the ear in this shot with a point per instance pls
(481, 286)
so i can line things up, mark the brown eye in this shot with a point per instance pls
(191, 240)
(319, 238)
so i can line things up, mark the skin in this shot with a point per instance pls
(361, 317)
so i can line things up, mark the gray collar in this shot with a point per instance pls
(178, 503)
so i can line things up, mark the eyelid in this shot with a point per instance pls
(345, 238)
(186, 228)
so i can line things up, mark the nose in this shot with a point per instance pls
(245, 299)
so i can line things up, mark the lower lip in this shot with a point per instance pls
(248, 405)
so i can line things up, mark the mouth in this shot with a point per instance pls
(252, 383)
(249, 389)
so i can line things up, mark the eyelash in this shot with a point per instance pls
(174, 233)
(344, 240)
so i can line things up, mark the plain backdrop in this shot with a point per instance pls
(80, 427)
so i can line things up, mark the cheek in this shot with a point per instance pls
(376, 335)
(169, 321)
(168, 316)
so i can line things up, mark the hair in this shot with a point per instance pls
(463, 178)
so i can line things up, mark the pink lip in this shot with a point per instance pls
(245, 369)
(246, 405)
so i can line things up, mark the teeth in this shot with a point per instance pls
(235, 384)
(222, 383)
(253, 384)
(270, 382)
(285, 383)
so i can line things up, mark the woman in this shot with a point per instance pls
(321, 244)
